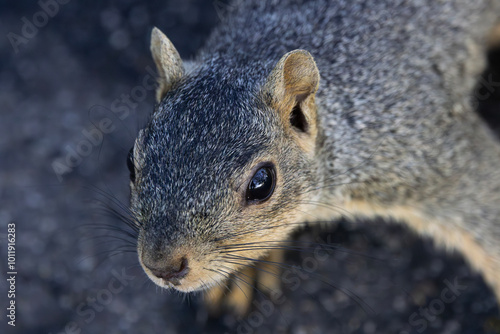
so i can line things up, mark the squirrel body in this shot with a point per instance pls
(339, 109)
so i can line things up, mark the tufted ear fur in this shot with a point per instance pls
(168, 62)
(290, 90)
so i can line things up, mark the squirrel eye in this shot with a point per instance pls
(261, 185)
(130, 164)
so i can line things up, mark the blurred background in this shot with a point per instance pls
(70, 67)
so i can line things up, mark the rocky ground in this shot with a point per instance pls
(61, 79)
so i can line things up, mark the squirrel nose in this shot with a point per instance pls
(171, 272)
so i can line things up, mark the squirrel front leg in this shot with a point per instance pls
(262, 277)
(234, 296)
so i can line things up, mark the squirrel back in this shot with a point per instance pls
(293, 108)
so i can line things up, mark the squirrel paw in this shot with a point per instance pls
(262, 277)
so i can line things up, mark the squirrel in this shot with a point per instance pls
(302, 111)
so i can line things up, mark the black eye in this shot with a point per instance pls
(262, 184)
(130, 164)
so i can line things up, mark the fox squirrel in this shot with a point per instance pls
(300, 111)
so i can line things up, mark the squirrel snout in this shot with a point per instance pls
(171, 271)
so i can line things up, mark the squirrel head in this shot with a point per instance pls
(225, 167)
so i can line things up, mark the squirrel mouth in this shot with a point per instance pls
(188, 279)
(180, 285)
(172, 283)
(183, 285)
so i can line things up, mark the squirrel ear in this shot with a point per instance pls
(290, 90)
(167, 60)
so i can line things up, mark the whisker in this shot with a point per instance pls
(110, 228)
(335, 208)
(116, 237)
(346, 291)
(279, 277)
(223, 286)
(128, 220)
(222, 271)
(258, 229)
(109, 195)
(308, 244)
(109, 256)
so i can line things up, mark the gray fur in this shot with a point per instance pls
(394, 118)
